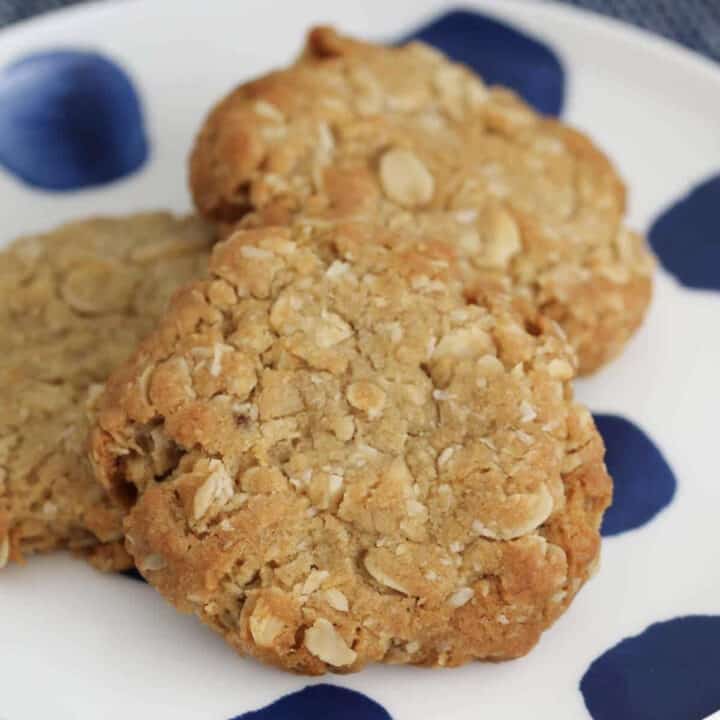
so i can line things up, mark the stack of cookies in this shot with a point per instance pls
(350, 437)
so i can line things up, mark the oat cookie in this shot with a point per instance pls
(405, 135)
(73, 304)
(333, 459)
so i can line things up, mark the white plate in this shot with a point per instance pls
(77, 644)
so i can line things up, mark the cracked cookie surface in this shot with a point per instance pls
(74, 303)
(406, 136)
(333, 459)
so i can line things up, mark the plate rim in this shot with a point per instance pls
(588, 20)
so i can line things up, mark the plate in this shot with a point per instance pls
(642, 640)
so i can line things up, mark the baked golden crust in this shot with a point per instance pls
(73, 304)
(333, 459)
(404, 136)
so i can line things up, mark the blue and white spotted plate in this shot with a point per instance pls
(98, 107)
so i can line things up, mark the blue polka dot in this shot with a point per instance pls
(686, 237)
(643, 482)
(320, 701)
(671, 671)
(69, 120)
(501, 54)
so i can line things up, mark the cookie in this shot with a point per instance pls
(403, 135)
(333, 459)
(74, 303)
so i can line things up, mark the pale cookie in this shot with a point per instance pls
(403, 135)
(332, 459)
(74, 303)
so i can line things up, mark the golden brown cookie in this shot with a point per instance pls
(74, 303)
(332, 459)
(403, 135)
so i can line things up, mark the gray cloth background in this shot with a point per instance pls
(693, 23)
